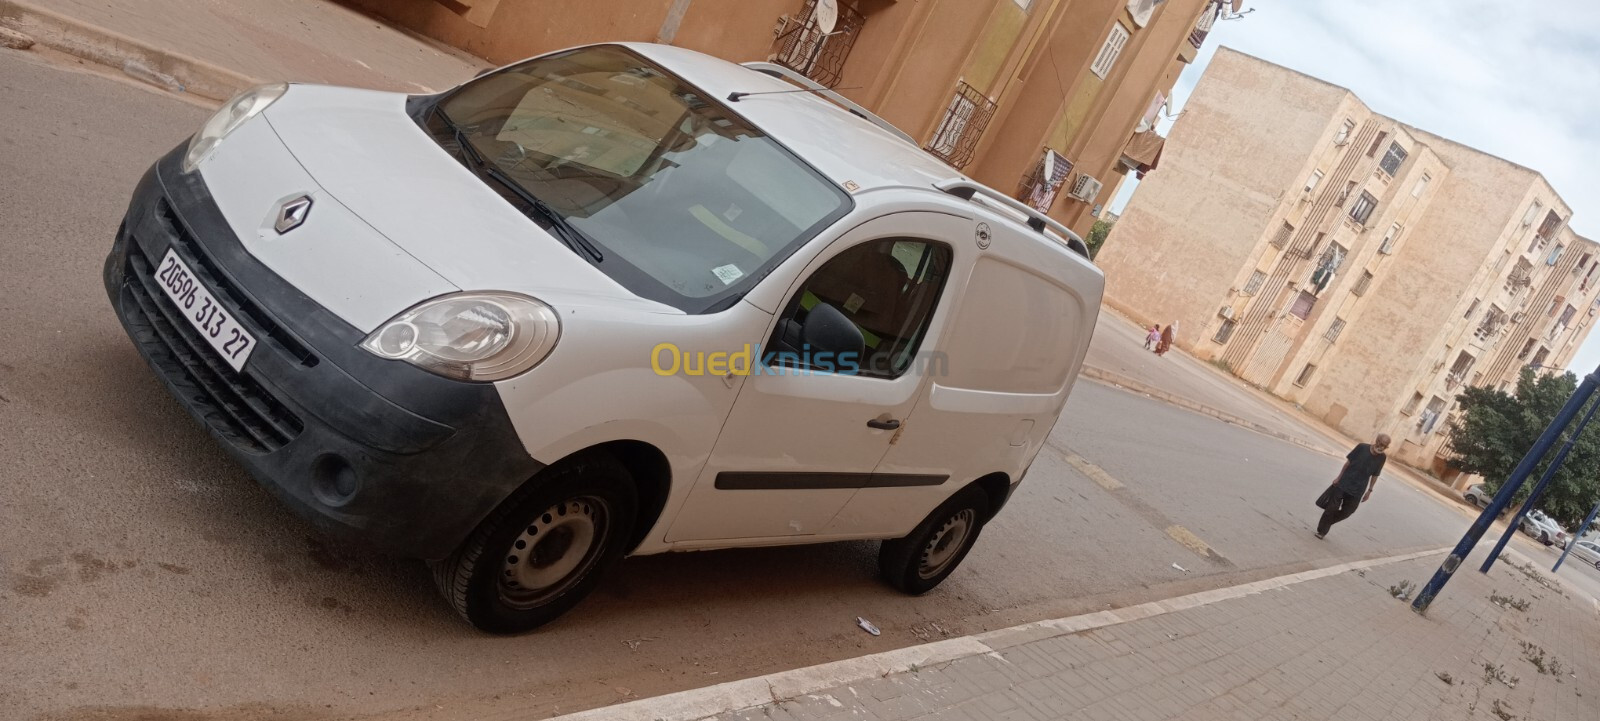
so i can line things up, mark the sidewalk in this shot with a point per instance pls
(1330, 644)
(213, 49)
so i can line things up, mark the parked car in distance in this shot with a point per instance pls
(615, 300)
(1478, 496)
(1588, 552)
(1544, 528)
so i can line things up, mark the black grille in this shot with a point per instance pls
(233, 404)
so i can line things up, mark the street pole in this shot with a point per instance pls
(1508, 489)
(1575, 538)
(1538, 489)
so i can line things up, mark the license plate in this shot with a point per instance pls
(201, 309)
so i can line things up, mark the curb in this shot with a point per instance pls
(1105, 376)
(760, 691)
(138, 59)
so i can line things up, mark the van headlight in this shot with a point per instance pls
(470, 336)
(242, 107)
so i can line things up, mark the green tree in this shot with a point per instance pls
(1097, 237)
(1495, 430)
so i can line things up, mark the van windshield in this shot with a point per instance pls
(688, 204)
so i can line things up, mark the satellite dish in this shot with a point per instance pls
(827, 15)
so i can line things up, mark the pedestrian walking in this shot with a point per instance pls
(1165, 344)
(1153, 337)
(1354, 484)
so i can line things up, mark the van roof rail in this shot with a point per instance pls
(790, 74)
(965, 189)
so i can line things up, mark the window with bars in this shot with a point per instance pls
(1305, 375)
(1303, 304)
(963, 124)
(1361, 210)
(1282, 238)
(819, 55)
(1363, 284)
(1387, 246)
(1109, 52)
(1313, 181)
(1334, 330)
(1225, 332)
(1253, 286)
(1527, 348)
(1555, 254)
(1393, 159)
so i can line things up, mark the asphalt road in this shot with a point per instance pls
(144, 576)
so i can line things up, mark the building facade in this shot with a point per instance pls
(1055, 100)
(1362, 268)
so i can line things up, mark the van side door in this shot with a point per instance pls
(806, 431)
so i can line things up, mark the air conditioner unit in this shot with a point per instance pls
(1085, 188)
(1517, 317)
(1226, 312)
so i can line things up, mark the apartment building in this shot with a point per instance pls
(1363, 268)
(1055, 100)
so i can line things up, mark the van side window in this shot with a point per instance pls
(888, 289)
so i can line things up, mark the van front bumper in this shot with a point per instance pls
(374, 451)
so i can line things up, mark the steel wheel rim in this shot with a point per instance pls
(946, 543)
(558, 548)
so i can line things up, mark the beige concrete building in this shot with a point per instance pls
(1054, 99)
(1340, 259)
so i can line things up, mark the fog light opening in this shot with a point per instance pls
(333, 481)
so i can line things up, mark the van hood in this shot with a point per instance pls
(362, 148)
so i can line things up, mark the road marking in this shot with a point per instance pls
(1094, 472)
(1188, 540)
(761, 691)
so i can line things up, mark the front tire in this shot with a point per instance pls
(930, 553)
(544, 549)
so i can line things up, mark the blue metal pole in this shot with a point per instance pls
(1575, 538)
(1538, 490)
(1507, 490)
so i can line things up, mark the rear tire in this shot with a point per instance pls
(932, 551)
(544, 549)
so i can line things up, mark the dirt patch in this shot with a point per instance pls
(174, 568)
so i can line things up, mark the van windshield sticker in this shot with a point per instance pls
(854, 303)
(728, 273)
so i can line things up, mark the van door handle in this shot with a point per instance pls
(889, 425)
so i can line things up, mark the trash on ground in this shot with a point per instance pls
(1181, 568)
(867, 626)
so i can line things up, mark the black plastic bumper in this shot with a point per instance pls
(370, 450)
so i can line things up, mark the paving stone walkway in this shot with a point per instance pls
(1340, 647)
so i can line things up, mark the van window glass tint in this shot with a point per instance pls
(689, 204)
(889, 289)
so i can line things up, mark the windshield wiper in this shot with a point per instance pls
(559, 225)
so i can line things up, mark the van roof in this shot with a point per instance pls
(842, 146)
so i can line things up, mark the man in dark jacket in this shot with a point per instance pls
(1355, 482)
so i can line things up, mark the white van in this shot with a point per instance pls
(619, 299)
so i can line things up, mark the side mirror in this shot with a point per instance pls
(826, 330)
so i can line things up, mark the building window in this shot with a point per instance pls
(1493, 319)
(1411, 405)
(805, 47)
(1343, 136)
(1459, 370)
(1430, 417)
(1362, 209)
(1539, 358)
(1254, 284)
(1024, 4)
(963, 124)
(1521, 275)
(1313, 181)
(1387, 246)
(1334, 330)
(1555, 254)
(1473, 308)
(1547, 230)
(1377, 143)
(1554, 304)
(1532, 214)
(1225, 332)
(1305, 375)
(1303, 305)
(1282, 238)
(1392, 159)
(1526, 349)
(1362, 285)
(1039, 189)
(1588, 277)
(1421, 186)
(1327, 267)
(1349, 187)
(1109, 52)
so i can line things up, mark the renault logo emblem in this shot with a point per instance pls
(292, 214)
